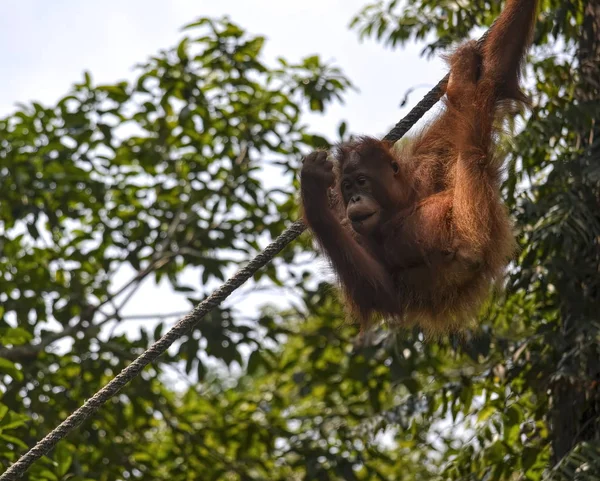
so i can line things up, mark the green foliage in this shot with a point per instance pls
(174, 171)
(149, 177)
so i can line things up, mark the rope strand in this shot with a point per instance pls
(159, 347)
(430, 99)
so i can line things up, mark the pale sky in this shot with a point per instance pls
(46, 45)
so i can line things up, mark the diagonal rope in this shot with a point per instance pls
(417, 111)
(430, 99)
(184, 325)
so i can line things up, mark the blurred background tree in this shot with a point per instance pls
(173, 172)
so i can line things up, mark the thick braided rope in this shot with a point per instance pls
(159, 347)
(425, 104)
(418, 111)
(184, 325)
